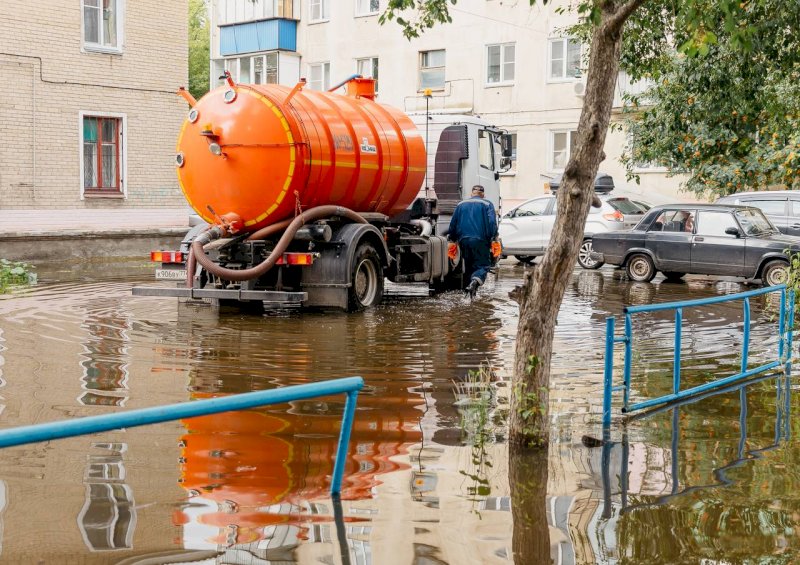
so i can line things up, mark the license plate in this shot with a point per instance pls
(171, 274)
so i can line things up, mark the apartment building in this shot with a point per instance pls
(89, 116)
(511, 63)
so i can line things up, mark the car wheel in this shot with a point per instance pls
(672, 276)
(640, 268)
(775, 272)
(527, 259)
(585, 256)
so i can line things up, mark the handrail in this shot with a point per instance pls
(154, 415)
(785, 331)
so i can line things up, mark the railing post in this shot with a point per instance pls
(782, 327)
(791, 325)
(608, 373)
(746, 334)
(628, 349)
(344, 441)
(676, 369)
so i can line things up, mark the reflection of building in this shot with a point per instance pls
(105, 368)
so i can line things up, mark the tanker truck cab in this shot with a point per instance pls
(301, 205)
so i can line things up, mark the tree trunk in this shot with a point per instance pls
(527, 476)
(543, 288)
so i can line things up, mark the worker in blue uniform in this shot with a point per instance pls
(474, 227)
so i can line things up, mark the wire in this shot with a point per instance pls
(71, 83)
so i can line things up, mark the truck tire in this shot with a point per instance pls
(775, 272)
(366, 288)
(640, 268)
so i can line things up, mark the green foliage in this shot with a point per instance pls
(15, 274)
(728, 119)
(199, 45)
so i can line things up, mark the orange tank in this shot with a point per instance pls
(262, 151)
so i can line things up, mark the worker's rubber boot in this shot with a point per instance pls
(472, 288)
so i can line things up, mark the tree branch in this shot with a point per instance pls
(616, 21)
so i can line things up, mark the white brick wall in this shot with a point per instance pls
(48, 79)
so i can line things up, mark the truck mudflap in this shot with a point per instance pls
(223, 293)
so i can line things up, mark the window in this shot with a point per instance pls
(674, 221)
(562, 143)
(769, 207)
(232, 66)
(233, 11)
(795, 207)
(565, 58)
(265, 69)
(319, 10)
(500, 63)
(368, 68)
(715, 223)
(431, 69)
(319, 76)
(102, 25)
(367, 7)
(536, 207)
(102, 155)
(485, 150)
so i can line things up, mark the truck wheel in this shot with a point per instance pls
(366, 288)
(640, 268)
(585, 256)
(775, 272)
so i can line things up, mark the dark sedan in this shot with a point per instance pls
(707, 239)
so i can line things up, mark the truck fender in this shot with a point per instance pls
(332, 267)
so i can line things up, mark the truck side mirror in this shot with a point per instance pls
(505, 164)
(508, 147)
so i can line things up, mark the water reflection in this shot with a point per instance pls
(706, 491)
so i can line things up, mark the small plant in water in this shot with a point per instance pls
(476, 400)
(14, 274)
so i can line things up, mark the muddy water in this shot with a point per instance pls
(712, 480)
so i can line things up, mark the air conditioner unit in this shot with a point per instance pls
(579, 87)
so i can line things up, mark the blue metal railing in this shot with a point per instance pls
(93, 424)
(785, 329)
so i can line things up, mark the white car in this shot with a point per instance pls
(525, 230)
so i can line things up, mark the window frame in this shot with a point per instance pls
(420, 69)
(564, 78)
(359, 14)
(117, 49)
(322, 64)
(122, 156)
(324, 11)
(503, 81)
(571, 134)
(375, 64)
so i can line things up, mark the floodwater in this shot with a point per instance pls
(713, 481)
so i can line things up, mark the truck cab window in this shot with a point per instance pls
(485, 150)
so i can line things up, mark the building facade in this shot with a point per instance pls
(90, 115)
(511, 63)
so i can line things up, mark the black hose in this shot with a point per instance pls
(254, 272)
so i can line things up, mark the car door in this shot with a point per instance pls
(548, 222)
(521, 229)
(715, 252)
(670, 242)
(793, 227)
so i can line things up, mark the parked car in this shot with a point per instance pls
(525, 230)
(710, 239)
(782, 207)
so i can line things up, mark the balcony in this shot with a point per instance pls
(262, 35)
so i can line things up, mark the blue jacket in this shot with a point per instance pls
(473, 218)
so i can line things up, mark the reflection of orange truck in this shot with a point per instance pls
(244, 469)
(315, 197)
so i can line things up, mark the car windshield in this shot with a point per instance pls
(624, 205)
(754, 222)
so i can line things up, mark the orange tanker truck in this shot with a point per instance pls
(313, 198)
